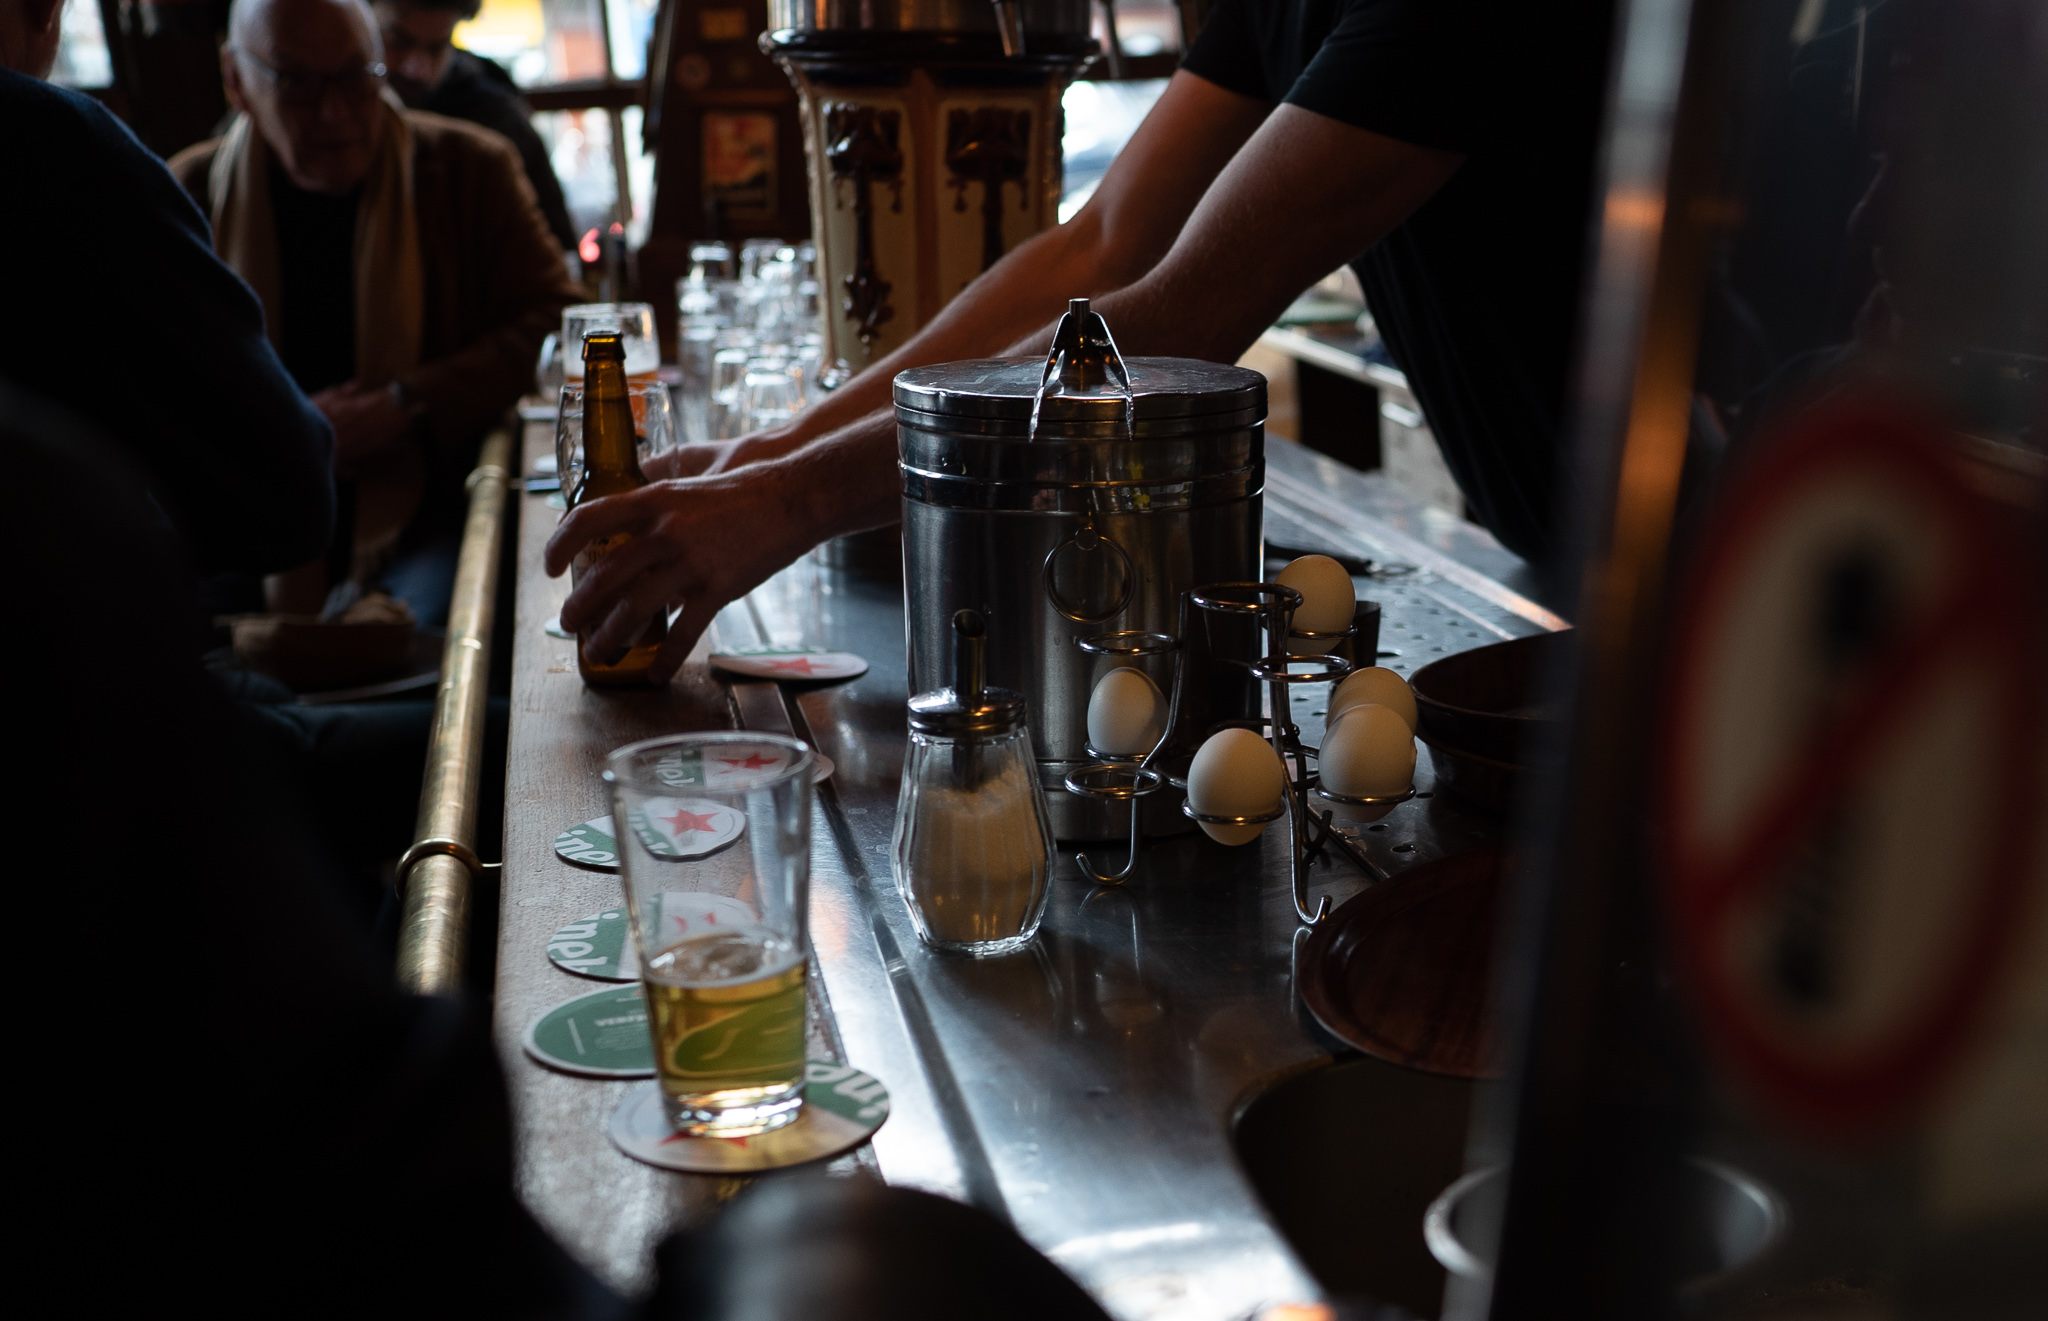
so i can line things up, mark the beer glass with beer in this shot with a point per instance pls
(714, 835)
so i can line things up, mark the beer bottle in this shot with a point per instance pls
(611, 466)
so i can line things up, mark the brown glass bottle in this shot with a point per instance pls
(611, 466)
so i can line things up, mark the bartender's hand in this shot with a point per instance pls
(700, 542)
(720, 455)
(367, 420)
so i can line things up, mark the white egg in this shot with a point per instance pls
(1126, 713)
(1235, 773)
(1368, 753)
(1374, 684)
(1327, 601)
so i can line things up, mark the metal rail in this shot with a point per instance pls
(437, 873)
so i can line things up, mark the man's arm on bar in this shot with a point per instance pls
(1304, 195)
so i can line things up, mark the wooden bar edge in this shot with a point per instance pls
(438, 872)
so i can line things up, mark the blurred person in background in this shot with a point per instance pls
(115, 306)
(430, 72)
(407, 278)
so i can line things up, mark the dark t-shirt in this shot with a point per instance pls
(1477, 292)
(482, 93)
(316, 243)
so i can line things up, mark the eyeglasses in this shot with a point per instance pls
(308, 90)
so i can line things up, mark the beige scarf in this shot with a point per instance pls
(389, 291)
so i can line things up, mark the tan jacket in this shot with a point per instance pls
(494, 281)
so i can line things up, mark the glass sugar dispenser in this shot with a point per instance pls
(973, 848)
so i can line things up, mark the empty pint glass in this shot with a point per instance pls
(714, 838)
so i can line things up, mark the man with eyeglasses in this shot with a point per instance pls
(406, 273)
(429, 72)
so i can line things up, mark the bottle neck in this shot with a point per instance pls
(610, 447)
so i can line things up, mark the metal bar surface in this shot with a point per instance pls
(1087, 1089)
(437, 873)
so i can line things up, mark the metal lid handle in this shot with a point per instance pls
(1083, 361)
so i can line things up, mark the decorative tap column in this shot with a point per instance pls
(931, 151)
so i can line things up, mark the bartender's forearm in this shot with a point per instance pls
(1277, 219)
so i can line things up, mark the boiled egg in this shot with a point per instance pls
(1368, 753)
(1327, 601)
(1376, 684)
(1126, 713)
(1235, 773)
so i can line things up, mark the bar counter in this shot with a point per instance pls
(1085, 1090)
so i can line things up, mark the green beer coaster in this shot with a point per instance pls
(723, 767)
(553, 628)
(729, 763)
(601, 945)
(842, 1109)
(795, 664)
(600, 1035)
(670, 828)
(590, 845)
(686, 827)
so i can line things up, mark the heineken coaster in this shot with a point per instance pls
(599, 946)
(802, 664)
(842, 1109)
(554, 499)
(723, 766)
(554, 628)
(686, 827)
(600, 1035)
(589, 845)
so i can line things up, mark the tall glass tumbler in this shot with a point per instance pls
(714, 835)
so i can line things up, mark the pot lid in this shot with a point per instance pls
(1082, 379)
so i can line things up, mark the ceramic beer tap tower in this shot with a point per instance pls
(932, 134)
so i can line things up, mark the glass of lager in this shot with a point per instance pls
(714, 835)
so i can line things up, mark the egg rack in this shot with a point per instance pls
(1129, 778)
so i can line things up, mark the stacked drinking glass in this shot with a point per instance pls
(750, 344)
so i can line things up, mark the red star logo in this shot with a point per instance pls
(753, 761)
(796, 665)
(685, 821)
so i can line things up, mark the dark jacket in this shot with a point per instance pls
(479, 91)
(115, 306)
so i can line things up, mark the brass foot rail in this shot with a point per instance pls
(437, 873)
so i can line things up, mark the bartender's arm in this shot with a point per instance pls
(1217, 214)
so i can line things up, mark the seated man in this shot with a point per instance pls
(430, 74)
(1445, 148)
(406, 274)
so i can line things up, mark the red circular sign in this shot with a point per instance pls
(1851, 766)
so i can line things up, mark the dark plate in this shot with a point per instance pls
(1479, 780)
(1401, 970)
(1481, 702)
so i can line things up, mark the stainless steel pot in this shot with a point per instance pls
(1078, 495)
